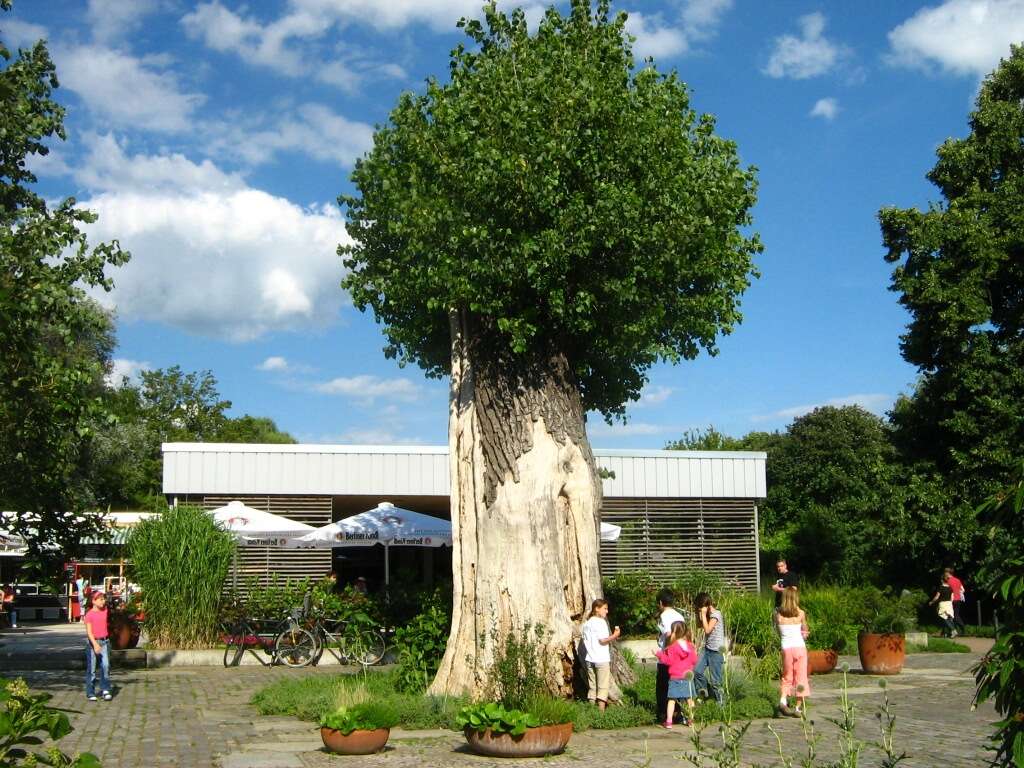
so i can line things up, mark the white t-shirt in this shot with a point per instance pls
(596, 629)
(668, 617)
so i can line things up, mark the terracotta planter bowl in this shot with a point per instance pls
(536, 742)
(123, 636)
(881, 654)
(356, 743)
(821, 662)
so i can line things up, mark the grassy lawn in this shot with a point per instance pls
(309, 698)
(938, 645)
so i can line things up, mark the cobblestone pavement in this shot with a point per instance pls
(199, 717)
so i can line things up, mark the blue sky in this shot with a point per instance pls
(213, 138)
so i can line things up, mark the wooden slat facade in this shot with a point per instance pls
(264, 562)
(664, 537)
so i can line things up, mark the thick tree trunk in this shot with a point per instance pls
(525, 501)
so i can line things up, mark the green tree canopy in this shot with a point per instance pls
(54, 341)
(960, 274)
(557, 198)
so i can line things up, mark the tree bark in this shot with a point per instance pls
(525, 500)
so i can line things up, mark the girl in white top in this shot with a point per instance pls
(792, 624)
(596, 642)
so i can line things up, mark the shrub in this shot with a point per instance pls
(25, 716)
(519, 673)
(831, 617)
(624, 715)
(180, 560)
(881, 612)
(421, 644)
(632, 602)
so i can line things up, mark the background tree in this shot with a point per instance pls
(544, 227)
(54, 341)
(960, 275)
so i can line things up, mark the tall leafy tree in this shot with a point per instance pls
(960, 274)
(543, 228)
(54, 341)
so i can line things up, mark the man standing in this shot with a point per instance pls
(786, 579)
(958, 599)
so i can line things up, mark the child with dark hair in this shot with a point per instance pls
(708, 674)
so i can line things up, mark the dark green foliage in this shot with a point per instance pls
(180, 560)
(960, 274)
(552, 196)
(279, 596)
(631, 600)
(492, 716)
(519, 673)
(367, 716)
(26, 718)
(830, 617)
(882, 612)
(55, 342)
(627, 715)
(421, 643)
(1000, 673)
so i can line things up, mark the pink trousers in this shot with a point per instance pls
(794, 673)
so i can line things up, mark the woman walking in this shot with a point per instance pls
(792, 624)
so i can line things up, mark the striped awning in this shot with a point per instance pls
(111, 536)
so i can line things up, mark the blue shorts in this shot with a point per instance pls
(680, 689)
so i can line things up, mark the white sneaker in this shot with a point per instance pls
(107, 696)
(92, 698)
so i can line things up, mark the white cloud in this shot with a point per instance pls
(22, 34)
(217, 259)
(629, 429)
(655, 39)
(653, 395)
(368, 388)
(827, 108)
(965, 37)
(698, 20)
(122, 368)
(808, 55)
(113, 19)
(273, 363)
(108, 167)
(125, 90)
(875, 403)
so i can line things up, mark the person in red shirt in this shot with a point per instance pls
(958, 599)
(97, 648)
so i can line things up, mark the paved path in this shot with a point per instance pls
(200, 718)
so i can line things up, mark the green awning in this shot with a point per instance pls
(112, 536)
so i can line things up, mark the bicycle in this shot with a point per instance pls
(348, 644)
(286, 641)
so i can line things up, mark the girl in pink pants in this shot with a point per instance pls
(792, 624)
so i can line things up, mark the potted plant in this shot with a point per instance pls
(123, 625)
(543, 728)
(883, 620)
(823, 648)
(358, 730)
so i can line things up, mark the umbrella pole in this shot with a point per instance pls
(387, 565)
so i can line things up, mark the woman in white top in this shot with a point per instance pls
(792, 624)
(596, 642)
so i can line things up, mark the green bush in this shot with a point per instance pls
(831, 613)
(624, 715)
(632, 603)
(749, 620)
(24, 719)
(519, 672)
(421, 644)
(180, 560)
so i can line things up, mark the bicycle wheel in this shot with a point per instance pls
(295, 647)
(368, 647)
(234, 646)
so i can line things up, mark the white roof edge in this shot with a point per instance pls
(432, 450)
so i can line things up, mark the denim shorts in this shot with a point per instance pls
(680, 689)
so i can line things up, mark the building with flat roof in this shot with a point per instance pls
(677, 509)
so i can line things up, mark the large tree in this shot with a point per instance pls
(543, 228)
(960, 274)
(54, 341)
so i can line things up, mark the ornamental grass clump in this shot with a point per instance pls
(181, 560)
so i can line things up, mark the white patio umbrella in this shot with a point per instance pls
(384, 524)
(256, 528)
(610, 532)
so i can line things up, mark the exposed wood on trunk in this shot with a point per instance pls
(525, 503)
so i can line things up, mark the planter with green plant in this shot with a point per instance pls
(543, 728)
(883, 619)
(361, 729)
